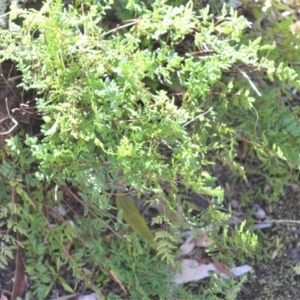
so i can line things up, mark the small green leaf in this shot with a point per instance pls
(64, 284)
(134, 219)
(53, 129)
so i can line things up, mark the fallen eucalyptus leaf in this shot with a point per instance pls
(134, 219)
(239, 271)
(191, 270)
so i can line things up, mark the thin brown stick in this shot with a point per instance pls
(92, 213)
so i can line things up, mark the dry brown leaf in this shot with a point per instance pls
(222, 268)
(117, 280)
(269, 209)
(20, 279)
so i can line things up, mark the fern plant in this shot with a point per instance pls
(153, 102)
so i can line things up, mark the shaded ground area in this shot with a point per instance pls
(274, 276)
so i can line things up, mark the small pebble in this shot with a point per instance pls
(260, 214)
(234, 203)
